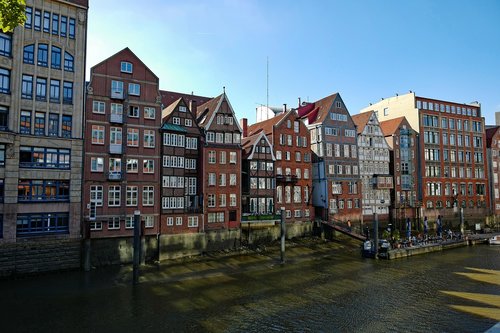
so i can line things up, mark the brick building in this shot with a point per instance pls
(221, 155)
(41, 115)
(452, 154)
(122, 150)
(335, 173)
(182, 170)
(402, 140)
(493, 149)
(290, 139)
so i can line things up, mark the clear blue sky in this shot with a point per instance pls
(363, 49)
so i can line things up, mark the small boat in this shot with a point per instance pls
(495, 240)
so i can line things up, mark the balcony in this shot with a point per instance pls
(117, 94)
(286, 178)
(116, 118)
(115, 148)
(114, 175)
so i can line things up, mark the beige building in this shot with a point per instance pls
(42, 68)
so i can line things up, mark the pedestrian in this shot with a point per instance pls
(439, 226)
(426, 227)
(408, 228)
(349, 225)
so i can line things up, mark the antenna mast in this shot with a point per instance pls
(267, 83)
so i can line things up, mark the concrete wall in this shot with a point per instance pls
(119, 250)
(31, 257)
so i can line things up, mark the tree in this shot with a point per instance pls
(12, 14)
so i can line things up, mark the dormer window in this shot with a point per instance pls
(126, 67)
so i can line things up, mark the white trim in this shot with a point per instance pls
(222, 98)
(257, 141)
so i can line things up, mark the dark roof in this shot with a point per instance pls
(171, 108)
(490, 133)
(248, 143)
(390, 127)
(168, 97)
(360, 120)
(317, 112)
(266, 125)
(204, 111)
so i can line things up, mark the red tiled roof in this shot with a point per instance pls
(168, 97)
(360, 120)
(266, 125)
(319, 109)
(390, 127)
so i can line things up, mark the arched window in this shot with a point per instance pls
(68, 62)
(29, 54)
(43, 55)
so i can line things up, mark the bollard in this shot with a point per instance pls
(137, 245)
(282, 224)
(86, 247)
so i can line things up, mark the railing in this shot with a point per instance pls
(114, 175)
(115, 148)
(117, 94)
(116, 118)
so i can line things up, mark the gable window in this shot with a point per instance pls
(134, 89)
(29, 54)
(126, 67)
(188, 122)
(5, 44)
(176, 120)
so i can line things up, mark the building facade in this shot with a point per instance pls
(374, 159)
(402, 140)
(122, 149)
(335, 167)
(290, 140)
(221, 155)
(41, 116)
(452, 154)
(493, 149)
(182, 170)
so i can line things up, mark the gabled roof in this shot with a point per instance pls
(169, 97)
(390, 127)
(248, 144)
(318, 111)
(360, 120)
(205, 113)
(267, 125)
(171, 108)
(490, 133)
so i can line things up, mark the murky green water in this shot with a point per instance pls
(336, 292)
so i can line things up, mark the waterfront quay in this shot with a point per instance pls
(323, 286)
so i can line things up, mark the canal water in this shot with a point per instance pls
(328, 288)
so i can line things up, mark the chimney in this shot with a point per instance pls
(192, 106)
(299, 102)
(284, 108)
(244, 126)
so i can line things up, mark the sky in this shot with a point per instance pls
(277, 51)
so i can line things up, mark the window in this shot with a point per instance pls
(188, 122)
(211, 200)
(46, 21)
(114, 223)
(176, 120)
(96, 194)
(71, 29)
(149, 138)
(68, 62)
(97, 164)
(132, 137)
(29, 54)
(41, 89)
(129, 222)
(149, 112)
(97, 134)
(25, 122)
(132, 165)
(212, 157)
(42, 223)
(222, 200)
(64, 25)
(115, 135)
(211, 179)
(191, 143)
(126, 67)
(148, 166)
(117, 90)
(4, 81)
(114, 192)
(149, 221)
(39, 123)
(41, 157)
(68, 92)
(132, 195)
(5, 44)
(54, 91)
(232, 179)
(42, 190)
(133, 111)
(53, 124)
(43, 55)
(55, 24)
(27, 87)
(192, 221)
(98, 107)
(134, 89)
(66, 127)
(29, 18)
(222, 179)
(38, 19)
(55, 57)
(232, 157)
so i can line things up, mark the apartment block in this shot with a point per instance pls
(42, 83)
(221, 155)
(452, 153)
(374, 159)
(182, 170)
(493, 152)
(402, 141)
(335, 166)
(123, 147)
